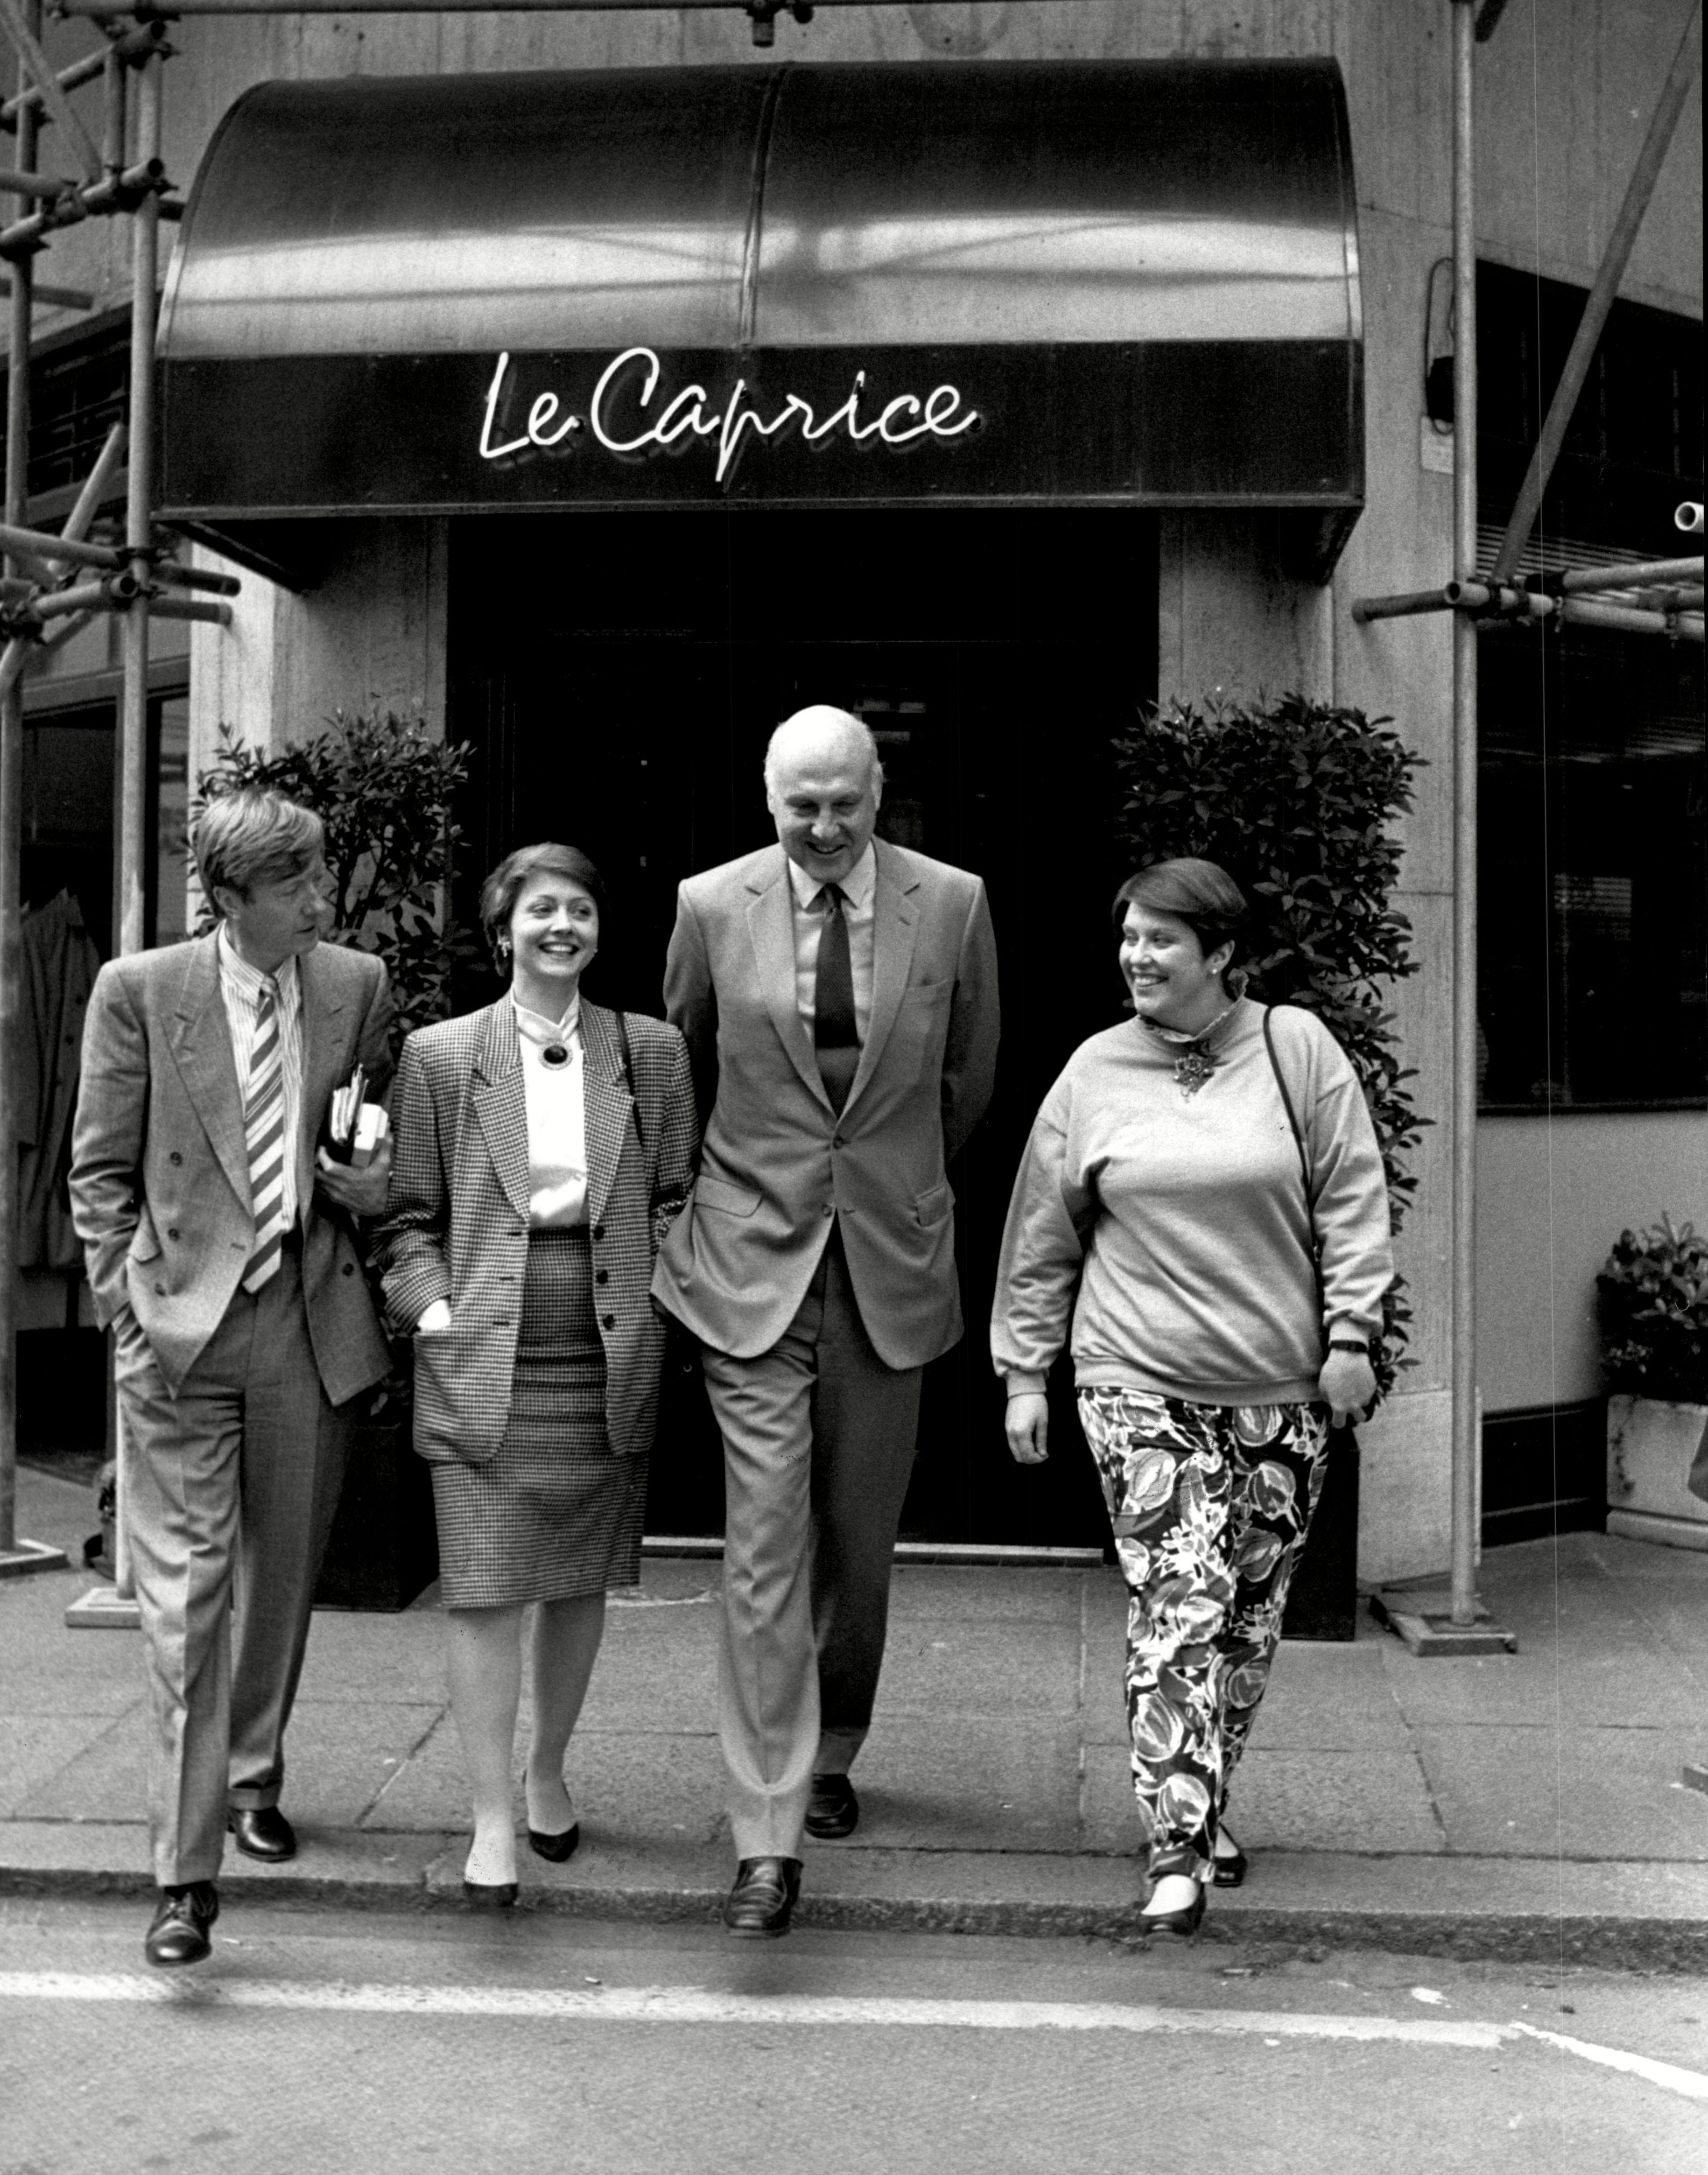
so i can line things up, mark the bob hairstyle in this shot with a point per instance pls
(254, 836)
(506, 884)
(1200, 893)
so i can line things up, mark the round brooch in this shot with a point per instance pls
(555, 1056)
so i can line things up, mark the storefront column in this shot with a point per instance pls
(369, 635)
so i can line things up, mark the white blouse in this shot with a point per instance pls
(557, 1118)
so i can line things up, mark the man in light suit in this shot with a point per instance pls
(225, 1263)
(838, 997)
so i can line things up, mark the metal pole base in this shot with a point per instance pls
(1424, 1621)
(23, 1556)
(103, 1608)
(1696, 1776)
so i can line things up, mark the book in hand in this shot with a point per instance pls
(354, 1128)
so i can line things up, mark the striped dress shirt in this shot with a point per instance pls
(240, 986)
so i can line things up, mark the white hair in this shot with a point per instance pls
(822, 716)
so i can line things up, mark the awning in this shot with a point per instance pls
(1129, 283)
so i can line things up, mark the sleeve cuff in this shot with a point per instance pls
(1026, 1386)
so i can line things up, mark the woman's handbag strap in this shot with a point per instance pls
(1298, 1142)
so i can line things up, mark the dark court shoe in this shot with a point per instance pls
(263, 1832)
(762, 1900)
(832, 1810)
(490, 1895)
(1230, 1871)
(1174, 1922)
(179, 1934)
(555, 1847)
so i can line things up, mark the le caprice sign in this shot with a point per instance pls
(630, 417)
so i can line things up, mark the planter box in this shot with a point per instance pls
(1649, 1448)
(384, 1549)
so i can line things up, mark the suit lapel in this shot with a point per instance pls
(608, 1103)
(895, 929)
(771, 924)
(500, 1103)
(201, 1044)
(323, 1028)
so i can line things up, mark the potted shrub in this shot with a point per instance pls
(1654, 1297)
(384, 788)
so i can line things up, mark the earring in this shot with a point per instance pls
(503, 948)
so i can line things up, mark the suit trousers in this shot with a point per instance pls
(230, 1492)
(819, 1437)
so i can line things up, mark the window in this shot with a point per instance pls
(1593, 916)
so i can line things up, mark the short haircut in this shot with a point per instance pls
(1200, 893)
(254, 836)
(506, 884)
(828, 714)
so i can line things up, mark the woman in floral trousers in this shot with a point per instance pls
(1202, 1198)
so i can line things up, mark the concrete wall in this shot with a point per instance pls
(1551, 1198)
(1564, 91)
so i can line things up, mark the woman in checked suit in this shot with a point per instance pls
(542, 1147)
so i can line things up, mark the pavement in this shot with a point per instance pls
(1518, 1806)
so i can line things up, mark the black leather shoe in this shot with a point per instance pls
(763, 1898)
(490, 1895)
(179, 1934)
(832, 1810)
(555, 1848)
(1174, 1922)
(263, 1832)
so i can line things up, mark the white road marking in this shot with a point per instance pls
(1666, 2074)
(692, 2004)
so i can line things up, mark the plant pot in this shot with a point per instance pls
(1650, 1445)
(384, 1549)
(1322, 1601)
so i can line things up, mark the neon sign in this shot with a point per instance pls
(684, 418)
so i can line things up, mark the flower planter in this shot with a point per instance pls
(1649, 1448)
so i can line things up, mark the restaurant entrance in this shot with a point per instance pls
(617, 677)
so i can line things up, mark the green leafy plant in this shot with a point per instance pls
(1294, 799)
(383, 788)
(1654, 1308)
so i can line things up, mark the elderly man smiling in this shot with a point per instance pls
(838, 997)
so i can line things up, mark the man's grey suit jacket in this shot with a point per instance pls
(160, 1173)
(778, 1162)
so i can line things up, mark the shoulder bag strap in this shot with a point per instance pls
(1298, 1142)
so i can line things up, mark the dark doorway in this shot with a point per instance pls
(618, 676)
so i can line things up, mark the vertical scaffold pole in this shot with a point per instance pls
(16, 1555)
(130, 930)
(1466, 1449)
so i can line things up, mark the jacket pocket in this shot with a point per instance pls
(145, 1240)
(731, 1200)
(932, 1206)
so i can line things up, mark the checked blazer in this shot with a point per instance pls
(456, 1221)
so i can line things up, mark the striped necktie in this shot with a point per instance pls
(264, 1125)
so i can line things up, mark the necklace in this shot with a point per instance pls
(1197, 1061)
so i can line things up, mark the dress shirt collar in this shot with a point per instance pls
(250, 980)
(857, 886)
(535, 1027)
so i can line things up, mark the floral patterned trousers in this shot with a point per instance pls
(1211, 1505)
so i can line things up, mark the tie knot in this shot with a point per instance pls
(830, 899)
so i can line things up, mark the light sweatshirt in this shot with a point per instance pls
(1183, 1221)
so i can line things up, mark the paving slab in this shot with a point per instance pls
(106, 1780)
(951, 1783)
(1580, 1793)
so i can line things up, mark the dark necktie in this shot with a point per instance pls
(834, 1030)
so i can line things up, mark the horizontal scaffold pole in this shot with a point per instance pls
(1634, 574)
(104, 11)
(33, 544)
(1678, 614)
